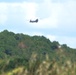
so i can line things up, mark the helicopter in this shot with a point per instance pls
(33, 21)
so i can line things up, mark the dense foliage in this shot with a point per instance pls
(16, 50)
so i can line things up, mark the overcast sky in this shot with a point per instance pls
(57, 18)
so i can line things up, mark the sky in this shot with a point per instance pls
(57, 19)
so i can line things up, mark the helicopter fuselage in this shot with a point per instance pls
(34, 21)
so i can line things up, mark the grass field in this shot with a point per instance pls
(46, 67)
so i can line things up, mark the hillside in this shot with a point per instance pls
(16, 50)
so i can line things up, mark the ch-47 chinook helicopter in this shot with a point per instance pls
(34, 21)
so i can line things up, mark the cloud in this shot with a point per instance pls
(3, 13)
(70, 41)
(3, 18)
(68, 15)
(59, 15)
(51, 37)
(48, 15)
(17, 11)
(51, 14)
(45, 23)
(30, 9)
